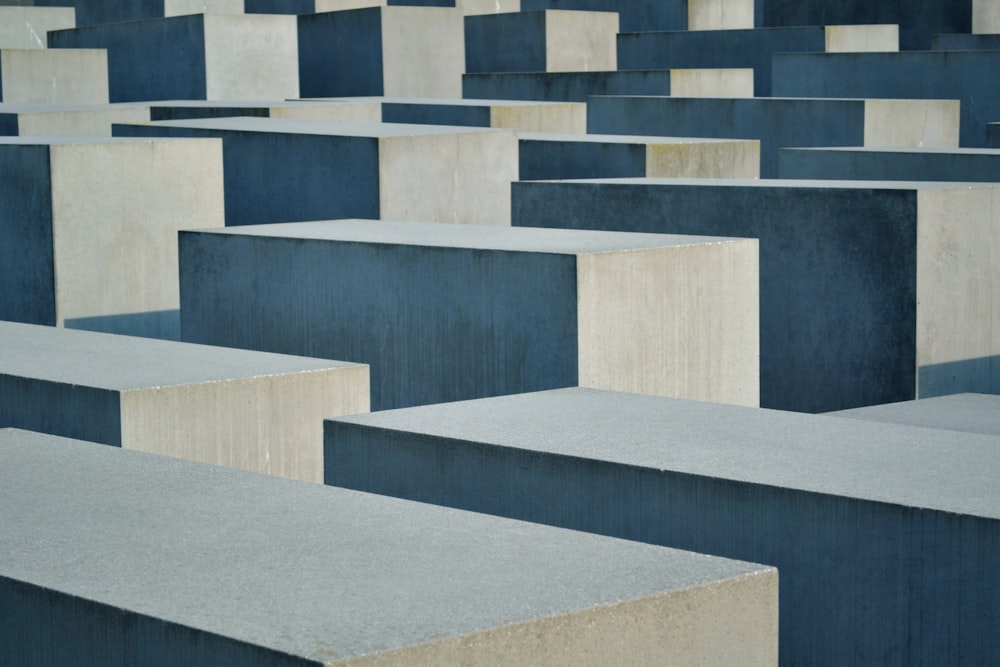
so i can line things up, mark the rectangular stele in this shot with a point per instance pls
(237, 408)
(446, 312)
(523, 116)
(54, 76)
(119, 557)
(89, 238)
(885, 535)
(25, 27)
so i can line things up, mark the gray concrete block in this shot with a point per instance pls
(67, 120)
(95, 12)
(476, 7)
(955, 75)
(90, 229)
(782, 122)
(198, 56)
(447, 312)
(891, 164)
(393, 51)
(54, 76)
(971, 413)
(965, 42)
(541, 41)
(319, 6)
(662, 15)
(348, 110)
(526, 116)
(868, 290)
(250, 410)
(885, 536)
(560, 156)
(284, 170)
(26, 27)
(203, 565)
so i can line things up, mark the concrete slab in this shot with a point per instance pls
(54, 76)
(526, 116)
(782, 122)
(966, 42)
(892, 164)
(476, 7)
(348, 110)
(250, 410)
(318, 6)
(214, 566)
(197, 56)
(541, 41)
(662, 15)
(971, 413)
(25, 27)
(870, 291)
(284, 170)
(90, 229)
(95, 12)
(67, 120)
(887, 533)
(447, 312)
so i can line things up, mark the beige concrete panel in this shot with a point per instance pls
(251, 57)
(25, 27)
(475, 7)
(854, 38)
(337, 5)
(722, 82)
(912, 123)
(680, 321)
(704, 159)
(556, 117)
(271, 424)
(463, 177)
(986, 17)
(184, 7)
(720, 14)
(579, 41)
(423, 51)
(352, 112)
(94, 122)
(116, 209)
(54, 76)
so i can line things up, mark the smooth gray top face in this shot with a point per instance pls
(625, 139)
(904, 465)
(320, 127)
(972, 413)
(314, 571)
(484, 237)
(905, 151)
(110, 361)
(791, 183)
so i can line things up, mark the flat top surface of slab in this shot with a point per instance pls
(482, 237)
(310, 570)
(747, 101)
(813, 184)
(467, 102)
(54, 140)
(907, 151)
(972, 413)
(909, 466)
(626, 139)
(110, 361)
(320, 127)
(29, 107)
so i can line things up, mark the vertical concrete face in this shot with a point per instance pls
(25, 27)
(424, 51)
(912, 123)
(985, 17)
(964, 165)
(94, 121)
(711, 82)
(580, 41)
(474, 7)
(183, 7)
(634, 16)
(720, 14)
(703, 159)
(250, 57)
(550, 117)
(565, 86)
(852, 38)
(54, 76)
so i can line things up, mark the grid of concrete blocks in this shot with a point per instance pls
(480, 332)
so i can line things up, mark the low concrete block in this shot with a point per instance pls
(972, 413)
(96, 12)
(891, 164)
(541, 41)
(249, 410)
(67, 120)
(90, 229)
(523, 116)
(392, 51)
(318, 6)
(662, 15)
(348, 110)
(966, 42)
(205, 565)
(446, 312)
(782, 122)
(54, 76)
(475, 7)
(867, 289)
(282, 170)
(985, 17)
(560, 156)
(887, 533)
(198, 56)
(564, 86)
(25, 27)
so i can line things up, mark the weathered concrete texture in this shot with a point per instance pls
(541, 41)
(199, 56)
(971, 413)
(90, 229)
(475, 7)
(954, 75)
(526, 116)
(782, 122)
(892, 164)
(885, 536)
(662, 14)
(751, 48)
(67, 120)
(862, 284)
(54, 76)
(559, 156)
(249, 410)
(25, 27)
(394, 51)
(564, 86)
(348, 110)
(712, 82)
(94, 12)
(203, 565)
(282, 170)
(447, 312)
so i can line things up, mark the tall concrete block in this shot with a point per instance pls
(205, 565)
(197, 56)
(972, 413)
(564, 86)
(249, 410)
(54, 76)
(891, 164)
(95, 12)
(25, 27)
(283, 170)
(885, 536)
(392, 51)
(446, 312)
(542, 41)
(902, 271)
(782, 122)
(523, 116)
(67, 120)
(90, 229)
(953, 75)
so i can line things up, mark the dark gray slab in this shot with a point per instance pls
(965, 42)
(891, 164)
(885, 536)
(564, 86)
(972, 413)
